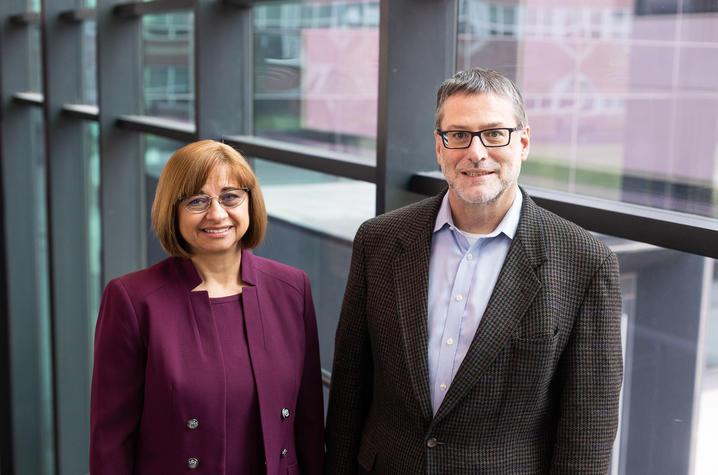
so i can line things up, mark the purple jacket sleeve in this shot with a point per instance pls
(117, 384)
(309, 425)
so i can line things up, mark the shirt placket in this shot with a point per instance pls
(457, 307)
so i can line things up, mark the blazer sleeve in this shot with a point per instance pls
(117, 384)
(351, 388)
(309, 424)
(592, 366)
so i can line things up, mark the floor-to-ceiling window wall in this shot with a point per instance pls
(332, 102)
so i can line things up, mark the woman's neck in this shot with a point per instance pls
(220, 273)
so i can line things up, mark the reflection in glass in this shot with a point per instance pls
(316, 73)
(622, 100)
(168, 78)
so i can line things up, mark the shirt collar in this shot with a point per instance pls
(508, 224)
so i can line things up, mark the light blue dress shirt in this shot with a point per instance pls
(462, 274)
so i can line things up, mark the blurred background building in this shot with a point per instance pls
(333, 102)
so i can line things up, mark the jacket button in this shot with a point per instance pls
(192, 463)
(283, 453)
(431, 443)
(285, 413)
(192, 424)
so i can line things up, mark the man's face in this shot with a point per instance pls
(481, 175)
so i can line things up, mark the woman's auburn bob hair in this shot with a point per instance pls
(185, 174)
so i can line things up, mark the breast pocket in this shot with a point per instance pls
(533, 365)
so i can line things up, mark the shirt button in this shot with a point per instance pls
(192, 424)
(450, 341)
(283, 453)
(459, 297)
(431, 443)
(285, 413)
(192, 463)
(442, 386)
(469, 256)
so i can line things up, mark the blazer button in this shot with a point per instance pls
(192, 424)
(431, 443)
(285, 413)
(192, 463)
(283, 453)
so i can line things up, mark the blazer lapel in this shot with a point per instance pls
(515, 290)
(261, 366)
(411, 280)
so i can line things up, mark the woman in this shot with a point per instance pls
(207, 361)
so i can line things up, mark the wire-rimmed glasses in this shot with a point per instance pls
(228, 199)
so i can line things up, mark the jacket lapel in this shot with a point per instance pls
(411, 281)
(261, 364)
(515, 290)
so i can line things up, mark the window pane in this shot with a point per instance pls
(35, 58)
(168, 55)
(94, 225)
(622, 102)
(312, 221)
(317, 201)
(669, 405)
(29, 304)
(157, 151)
(88, 94)
(316, 73)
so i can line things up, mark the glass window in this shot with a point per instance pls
(35, 58)
(312, 221)
(300, 197)
(669, 403)
(88, 51)
(316, 74)
(94, 225)
(157, 151)
(29, 304)
(623, 103)
(168, 58)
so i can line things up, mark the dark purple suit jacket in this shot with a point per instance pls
(158, 365)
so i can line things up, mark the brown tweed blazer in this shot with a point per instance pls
(538, 389)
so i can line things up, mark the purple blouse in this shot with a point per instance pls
(245, 452)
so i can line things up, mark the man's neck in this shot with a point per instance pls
(481, 218)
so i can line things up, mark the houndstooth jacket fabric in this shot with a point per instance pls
(538, 389)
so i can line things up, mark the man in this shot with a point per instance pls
(479, 334)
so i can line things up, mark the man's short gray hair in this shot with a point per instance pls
(481, 81)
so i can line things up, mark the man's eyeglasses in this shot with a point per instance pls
(500, 137)
(227, 199)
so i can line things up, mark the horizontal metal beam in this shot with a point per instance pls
(311, 158)
(81, 111)
(25, 18)
(29, 98)
(78, 15)
(169, 128)
(239, 3)
(664, 228)
(136, 9)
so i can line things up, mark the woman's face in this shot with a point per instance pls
(217, 230)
